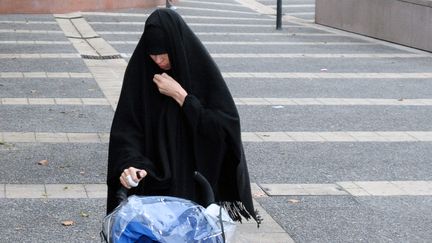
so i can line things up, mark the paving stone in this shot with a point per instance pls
(19, 137)
(83, 137)
(51, 137)
(25, 191)
(2, 191)
(65, 191)
(380, 188)
(41, 101)
(96, 190)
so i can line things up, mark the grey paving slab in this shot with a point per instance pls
(27, 17)
(67, 163)
(286, 49)
(187, 18)
(331, 88)
(232, 5)
(32, 37)
(295, 163)
(331, 64)
(39, 220)
(270, 29)
(297, 38)
(43, 65)
(200, 12)
(371, 219)
(32, 48)
(335, 118)
(49, 88)
(287, 9)
(29, 26)
(312, 49)
(56, 118)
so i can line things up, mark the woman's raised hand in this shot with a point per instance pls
(170, 87)
(129, 177)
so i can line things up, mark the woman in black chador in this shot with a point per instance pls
(176, 116)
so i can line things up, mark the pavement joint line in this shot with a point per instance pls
(257, 6)
(45, 75)
(259, 190)
(225, 33)
(198, 24)
(36, 42)
(215, 10)
(26, 22)
(326, 75)
(339, 136)
(212, 3)
(39, 55)
(31, 31)
(53, 101)
(296, 56)
(287, 5)
(261, 43)
(300, 13)
(183, 16)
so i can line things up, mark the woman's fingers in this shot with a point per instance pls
(132, 172)
(124, 182)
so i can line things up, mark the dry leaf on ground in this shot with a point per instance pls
(43, 162)
(293, 201)
(84, 214)
(68, 223)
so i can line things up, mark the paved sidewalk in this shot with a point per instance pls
(336, 126)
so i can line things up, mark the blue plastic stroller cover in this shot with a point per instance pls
(166, 219)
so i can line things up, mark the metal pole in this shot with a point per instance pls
(279, 15)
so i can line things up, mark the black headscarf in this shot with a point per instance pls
(151, 131)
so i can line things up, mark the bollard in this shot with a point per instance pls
(279, 15)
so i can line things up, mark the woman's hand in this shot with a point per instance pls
(132, 172)
(170, 87)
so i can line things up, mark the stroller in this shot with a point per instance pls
(167, 219)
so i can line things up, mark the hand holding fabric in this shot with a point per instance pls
(170, 87)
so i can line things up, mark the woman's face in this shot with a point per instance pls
(162, 60)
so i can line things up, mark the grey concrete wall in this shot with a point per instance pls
(407, 22)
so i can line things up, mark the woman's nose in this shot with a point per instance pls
(159, 59)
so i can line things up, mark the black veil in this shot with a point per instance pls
(151, 131)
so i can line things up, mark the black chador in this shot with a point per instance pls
(151, 131)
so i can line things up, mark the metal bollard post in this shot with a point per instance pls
(279, 15)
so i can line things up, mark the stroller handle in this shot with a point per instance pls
(208, 193)
(209, 198)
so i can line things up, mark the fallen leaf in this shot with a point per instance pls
(401, 99)
(65, 188)
(67, 223)
(293, 201)
(2, 143)
(83, 214)
(43, 162)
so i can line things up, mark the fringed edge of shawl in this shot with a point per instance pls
(236, 210)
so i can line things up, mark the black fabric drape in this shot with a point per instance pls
(151, 131)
